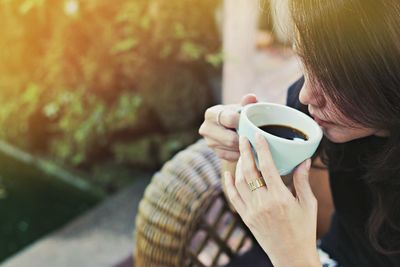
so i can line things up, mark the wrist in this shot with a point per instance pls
(302, 263)
(299, 261)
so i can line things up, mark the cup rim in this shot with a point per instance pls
(312, 139)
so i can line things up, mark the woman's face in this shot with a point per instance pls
(336, 127)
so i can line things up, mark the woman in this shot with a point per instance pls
(350, 51)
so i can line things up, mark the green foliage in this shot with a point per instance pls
(3, 192)
(79, 135)
(73, 72)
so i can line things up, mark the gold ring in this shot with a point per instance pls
(256, 183)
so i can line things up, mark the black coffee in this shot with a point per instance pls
(284, 131)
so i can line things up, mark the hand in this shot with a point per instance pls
(283, 224)
(221, 136)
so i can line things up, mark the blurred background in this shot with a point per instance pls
(97, 95)
(109, 88)
(88, 82)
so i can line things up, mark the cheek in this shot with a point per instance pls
(333, 114)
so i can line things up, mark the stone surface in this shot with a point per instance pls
(101, 237)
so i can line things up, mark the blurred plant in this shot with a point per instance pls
(77, 75)
(3, 192)
(81, 130)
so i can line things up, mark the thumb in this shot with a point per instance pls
(248, 99)
(302, 185)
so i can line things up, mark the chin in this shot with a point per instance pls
(337, 140)
(338, 136)
(343, 135)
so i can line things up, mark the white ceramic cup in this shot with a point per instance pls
(287, 154)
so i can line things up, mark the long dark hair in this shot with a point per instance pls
(351, 50)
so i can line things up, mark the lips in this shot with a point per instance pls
(320, 122)
(317, 119)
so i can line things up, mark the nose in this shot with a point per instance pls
(309, 96)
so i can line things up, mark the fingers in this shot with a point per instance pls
(227, 155)
(249, 167)
(215, 144)
(248, 99)
(228, 117)
(232, 193)
(302, 184)
(241, 183)
(218, 128)
(224, 137)
(267, 165)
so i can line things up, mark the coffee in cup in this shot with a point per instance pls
(284, 131)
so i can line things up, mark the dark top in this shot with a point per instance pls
(347, 240)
